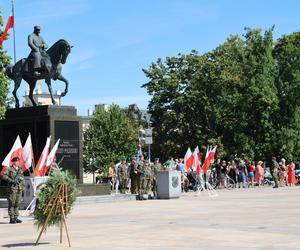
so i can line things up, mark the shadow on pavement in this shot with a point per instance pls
(23, 244)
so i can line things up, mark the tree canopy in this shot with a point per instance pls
(242, 96)
(111, 135)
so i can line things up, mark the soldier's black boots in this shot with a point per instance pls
(12, 221)
(18, 221)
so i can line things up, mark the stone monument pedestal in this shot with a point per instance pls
(168, 184)
(61, 122)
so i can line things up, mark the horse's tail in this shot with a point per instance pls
(9, 71)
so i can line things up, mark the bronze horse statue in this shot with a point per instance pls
(51, 69)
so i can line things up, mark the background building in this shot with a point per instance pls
(40, 97)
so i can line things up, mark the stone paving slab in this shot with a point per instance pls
(256, 218)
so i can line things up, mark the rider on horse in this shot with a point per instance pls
(38, 47)
(40, 64)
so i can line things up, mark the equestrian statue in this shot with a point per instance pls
(40, 64)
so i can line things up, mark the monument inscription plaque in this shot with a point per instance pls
(68, 150)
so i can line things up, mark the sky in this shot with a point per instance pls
(115, 39)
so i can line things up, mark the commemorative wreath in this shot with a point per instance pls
(48, 195)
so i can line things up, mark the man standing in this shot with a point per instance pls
(184, 179)
(133, 175)
(148, 178)
(38, 47)
(155, 168)
(275, 171)
(122, 175)
(15, 179)
(141, 177)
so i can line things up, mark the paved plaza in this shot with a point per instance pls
(256, 218)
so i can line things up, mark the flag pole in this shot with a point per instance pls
(14, 30)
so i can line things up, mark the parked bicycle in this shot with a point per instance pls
(216, 181)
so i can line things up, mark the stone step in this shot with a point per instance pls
(91, 199)
(104, 198)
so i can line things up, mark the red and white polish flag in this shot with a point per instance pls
(16, 151)
(206, 160)
(9, 25)
(27, 154)
(188, 159)
(39, 168)
(51, 157)
(212, 154)
(197, 162)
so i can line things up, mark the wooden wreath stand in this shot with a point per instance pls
(58, 205)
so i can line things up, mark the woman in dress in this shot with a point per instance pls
(259, 173)
(232, 172)
(291, 174)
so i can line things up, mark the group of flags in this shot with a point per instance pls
(26, 156)
(9, 25)
(193, 159)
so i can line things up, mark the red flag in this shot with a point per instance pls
(206, 160)
(188, 159)
(51, 157)
(16, 151)
(212, 154)
(39, 168)
(9, 24)
(27, 154)
(196, 163)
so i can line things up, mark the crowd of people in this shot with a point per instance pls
(250, 174)
(140, 177)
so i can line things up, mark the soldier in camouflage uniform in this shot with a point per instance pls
(156, 166)
(133, 175)
(148, 178)
(15, 179)
(141, 177)
(122, 175)
(274, 169)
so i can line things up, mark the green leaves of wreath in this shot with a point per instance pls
(48, 191)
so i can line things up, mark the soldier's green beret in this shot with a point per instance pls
(156, 159)
(123, 158)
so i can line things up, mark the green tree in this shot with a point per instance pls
(287, 54)
(4, 81)
(226, 96)
(111, 134)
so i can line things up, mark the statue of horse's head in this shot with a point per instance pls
(65, 49)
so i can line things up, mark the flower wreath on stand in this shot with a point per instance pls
(48, 192)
